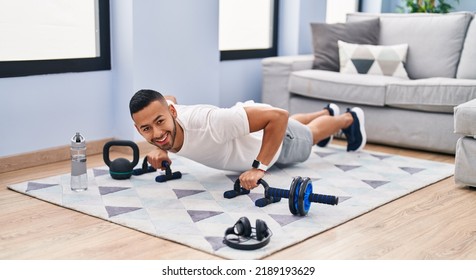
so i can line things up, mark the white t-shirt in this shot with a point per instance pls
(219, 137)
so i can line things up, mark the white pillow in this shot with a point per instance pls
(373, 60)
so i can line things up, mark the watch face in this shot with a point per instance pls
(256, 164)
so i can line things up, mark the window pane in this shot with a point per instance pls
(245, 24)
(48, 29)
(337, 10)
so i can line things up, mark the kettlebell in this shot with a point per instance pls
(120, 168)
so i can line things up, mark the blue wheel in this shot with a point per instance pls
(294, 194)
(303, 199)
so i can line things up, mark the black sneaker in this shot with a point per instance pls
(355, 133)
(333, 111)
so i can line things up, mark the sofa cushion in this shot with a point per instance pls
(467, 63)
(335, 86)
(465, 118)
(325, 36)
(433, 94)
(373, 60)
(434, 41)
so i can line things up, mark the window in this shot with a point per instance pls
(337, 10)
(53, 36)
(248, 28)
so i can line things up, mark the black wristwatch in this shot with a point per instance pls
(258, 165)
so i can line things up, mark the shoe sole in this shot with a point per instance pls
(361, 117)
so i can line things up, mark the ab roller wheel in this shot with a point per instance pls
(299, 195)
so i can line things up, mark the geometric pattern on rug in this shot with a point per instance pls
(193, 212)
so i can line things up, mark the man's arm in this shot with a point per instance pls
(273, 121)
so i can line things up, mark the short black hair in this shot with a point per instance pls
(143, 98)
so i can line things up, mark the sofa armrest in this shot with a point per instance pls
(276, 73)
(465, 119)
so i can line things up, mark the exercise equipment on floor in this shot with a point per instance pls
(120, 168)
(242, 237)
(146, 168)
(236, 191)
(299, 195)
(169, 175)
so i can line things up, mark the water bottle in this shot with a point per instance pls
(79, 176)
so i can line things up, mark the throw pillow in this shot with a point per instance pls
(325, 37)
(373, 60)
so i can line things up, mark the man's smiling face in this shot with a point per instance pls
(156, 123)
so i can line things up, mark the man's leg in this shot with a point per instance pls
(330, 110)
(306, 118)
(323, 124)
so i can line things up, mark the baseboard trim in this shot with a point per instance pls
(51, 155)
(46, 156)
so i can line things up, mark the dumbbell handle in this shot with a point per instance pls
(236, 191)
(314, 197)
(169, 175)
(324, 199)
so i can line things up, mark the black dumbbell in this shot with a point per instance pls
(299, 196)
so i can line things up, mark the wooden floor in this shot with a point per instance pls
(437, 222)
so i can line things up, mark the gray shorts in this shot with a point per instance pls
(297, 143)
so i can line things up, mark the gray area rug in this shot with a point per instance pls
(193, 212)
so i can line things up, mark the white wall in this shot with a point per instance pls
(465, 5)
(170, 46)
(176, 48)
(375, 6)
(39, 112)
(240, 80)
(310, 11)
(288, 26)
(122, 52)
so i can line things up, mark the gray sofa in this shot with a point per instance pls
(465, 160)
(412, 113)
